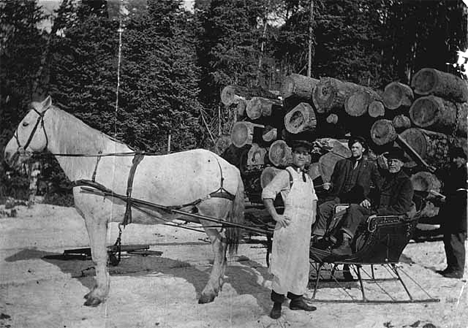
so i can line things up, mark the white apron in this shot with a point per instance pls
(290, 250)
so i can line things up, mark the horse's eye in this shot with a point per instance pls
(25, 124)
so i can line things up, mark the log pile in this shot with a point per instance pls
(426, 119)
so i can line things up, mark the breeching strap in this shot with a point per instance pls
(128, 210)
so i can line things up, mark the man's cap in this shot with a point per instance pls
(396, 153)
(457, 152)
(295, 144)
(355, 139)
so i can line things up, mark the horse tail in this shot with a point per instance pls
(236, 215)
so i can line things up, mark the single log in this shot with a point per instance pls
(268, 174)
(397, 95)
(331, 93)
(234, 93)
(222, 143)
(270, 134)
(242, 133)
(256, 156)
(445, 85)
(327, 162)
(401, 122)
(437, 114)
(425, 181)
(298, 86)
(332, 119)
(376, 109)
(300, 119)
(358, 102)
(383, 132)
(432, 147)
(280, 153)
(258, 107)
(241, 107)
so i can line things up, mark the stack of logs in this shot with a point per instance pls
(426, 119)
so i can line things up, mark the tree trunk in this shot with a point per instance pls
(432, 147)
(358, 102)
(241, 107)
(327, 162)
(383, 132)
(397, 95)
(270, 134)
(439, 115)
(256, 156)
(298, 86)
(401, 122)
(280, 154)
(258, 107)
(233, 93)
(242, 133)
(300, 119)
(331, 93)
(268, 174)
(376, 109)
(431, 81)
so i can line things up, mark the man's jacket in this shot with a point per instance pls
(367, 175)
(396, 194)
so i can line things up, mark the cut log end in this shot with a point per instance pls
(280, 153)
(357, 103)
(383, 132)
(300, 119)
(396, 95)
(401, 122)
(242, 134)
(376, 109)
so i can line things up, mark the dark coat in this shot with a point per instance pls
(396, 194)
(454, 211)
(368, 175)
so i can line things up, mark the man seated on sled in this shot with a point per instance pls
(396, 196)
(350, 183)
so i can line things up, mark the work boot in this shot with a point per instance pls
(276, 311)
(456, 274)
(300, 304)
(446, 270)
(344, 249)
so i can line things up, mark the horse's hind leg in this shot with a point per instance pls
(97, 231)
(214, 284)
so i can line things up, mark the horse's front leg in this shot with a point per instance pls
(97, 231)
(215, 282)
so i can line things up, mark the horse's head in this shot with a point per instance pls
(30, 136)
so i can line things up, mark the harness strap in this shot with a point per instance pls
(128, 210)
(95, 168)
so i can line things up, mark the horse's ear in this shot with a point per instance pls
(47, 102)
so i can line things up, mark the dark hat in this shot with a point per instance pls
(457, 152)
(396, 153)
(301, 144)
(355, 139)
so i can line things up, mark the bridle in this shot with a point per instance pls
(40, 120)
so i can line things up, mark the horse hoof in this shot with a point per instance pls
(206, 299)
(92, 302)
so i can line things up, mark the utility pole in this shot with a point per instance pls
(311, 20)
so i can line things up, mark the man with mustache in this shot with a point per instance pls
(396, 195)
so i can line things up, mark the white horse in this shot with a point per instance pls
(192, 178)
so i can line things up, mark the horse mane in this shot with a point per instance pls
(74, 137)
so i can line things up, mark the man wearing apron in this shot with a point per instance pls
(291, 238)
